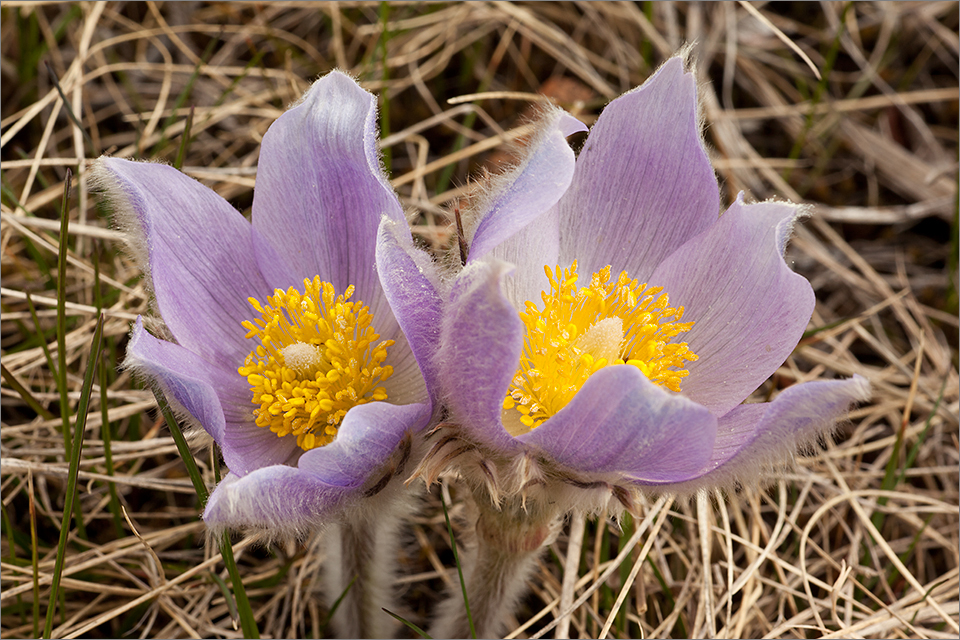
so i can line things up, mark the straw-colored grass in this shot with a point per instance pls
(859, 539)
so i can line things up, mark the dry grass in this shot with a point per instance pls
(841, 546)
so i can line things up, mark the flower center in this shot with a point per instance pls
(316, 360)
(580, 330)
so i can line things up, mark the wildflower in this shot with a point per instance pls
(605, 330)
(292, 339)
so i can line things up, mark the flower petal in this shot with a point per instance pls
(277, 499)
(530, 249)
(643, 184)
(749, 308)
(218, 399)
(481, 339)
(368, 435)
(621, 422)
(409, 278)
(525, 193)
(200, 254)
(296, 500)
(753, 436)
(320, 190)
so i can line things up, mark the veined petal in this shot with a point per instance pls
(643, 184)
(481, 339)
(370, 433)
(528, 191)
(748, 307)
(321, 192)
(621, 422)
(530, 249)
(409, 280)
(218, 399)
(295, 500)
(200, 254)
(278, 499)
(754, 435)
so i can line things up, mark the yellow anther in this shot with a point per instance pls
(579, 330)
(318, 357)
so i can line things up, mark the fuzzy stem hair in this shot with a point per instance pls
(361, 550)
(496, 569)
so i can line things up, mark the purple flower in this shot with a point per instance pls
(295, 340)
(609, 322)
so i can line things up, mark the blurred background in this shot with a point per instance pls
(851, 107)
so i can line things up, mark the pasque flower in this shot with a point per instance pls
(606, 329)
(293, 339)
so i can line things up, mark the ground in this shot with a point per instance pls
(858, 538)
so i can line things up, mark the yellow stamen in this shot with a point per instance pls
(317, 359)
(580, 330)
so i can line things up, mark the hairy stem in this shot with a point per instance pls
(361, 561)
(496, 569)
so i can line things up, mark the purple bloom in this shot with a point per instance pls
(554, 351)
(296, 339)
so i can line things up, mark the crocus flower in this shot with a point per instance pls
(606, 329)
(292, 339)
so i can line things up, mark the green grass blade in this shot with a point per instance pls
(184, 140)
(34, 561)
(66, 105)
(255, 61)
(32, 402)
(446, 175)
(646, 46)
(106, 430)
(894, 572)
(889, 478)
(830, 325)
(336, 603)
(456, 559)
(215, 455)
(61, 372)
(12, 557)
(182, 96)
(627, 527)
(185, 454)
(247, 623)
(225, 590)
(951, 298)
(894, 473)
(70, 500)
(384, 19)
(915, 449)
(680, 629)
(417, 630)
(829, 60)
(35, 254)
(43, 341)
(32, 46)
